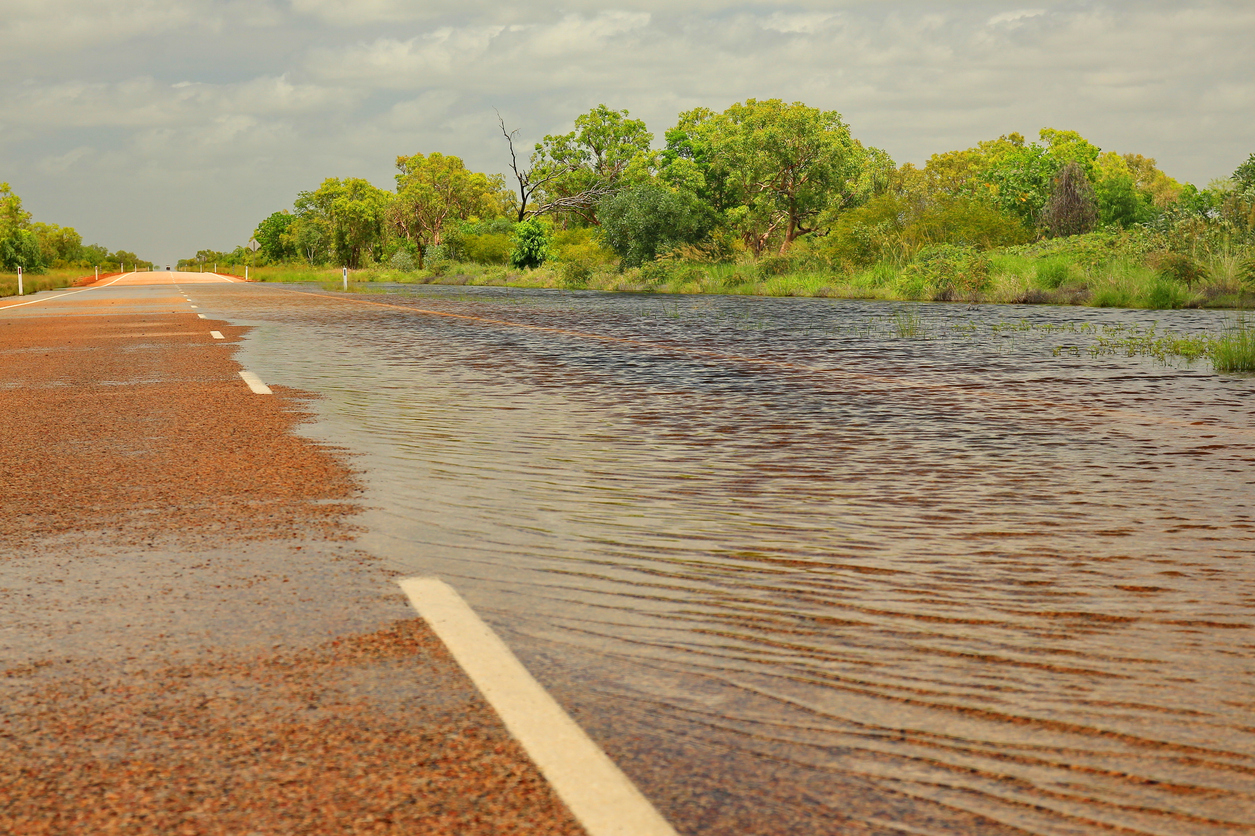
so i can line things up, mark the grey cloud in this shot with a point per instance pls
(354, 84)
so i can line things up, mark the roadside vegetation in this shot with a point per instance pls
(778, 199)
(50, 256)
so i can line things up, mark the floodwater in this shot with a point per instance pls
(801, 571)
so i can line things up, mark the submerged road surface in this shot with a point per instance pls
(801, 569)
(190, 641)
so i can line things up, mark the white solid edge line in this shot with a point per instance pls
(254, 383)
(217, 335)
(599, 795)
(60, 295)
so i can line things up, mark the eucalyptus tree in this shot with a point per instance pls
(272, 236)
(772, 170)
(437, 189)
(607, 151)
(19, 247)
(346, 218)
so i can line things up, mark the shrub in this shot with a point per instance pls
(21, 249)
(641, 222)
(1071, 208)
(775, 265)
(402, 260)
(582, 245)
(1177, 267)
(947, 269)
(575, 274)
(488, 247)
(656, 272)
(532, 246)
(1246, 274)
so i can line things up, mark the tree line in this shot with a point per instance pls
(35, 246)
(759, 180)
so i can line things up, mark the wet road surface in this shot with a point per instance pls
(190, 640)
(798, 572)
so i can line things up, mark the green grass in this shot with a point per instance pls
(1235, 350)
(1093, 272)
(52, 280)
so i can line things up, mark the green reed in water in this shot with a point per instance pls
(1235, 350)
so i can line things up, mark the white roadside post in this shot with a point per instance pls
(97, 272)
(346, 280)
(245, 272)
(19, 281)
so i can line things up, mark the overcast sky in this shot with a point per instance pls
(166, 126)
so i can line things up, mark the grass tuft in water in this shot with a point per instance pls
(907, 323)
(1235, 350)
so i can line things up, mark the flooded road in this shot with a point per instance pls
(813, 566)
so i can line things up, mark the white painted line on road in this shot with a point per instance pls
(601, 797)
(254, 383)
(217, 335)
(202, 316)
(193, 307)
(60, 295)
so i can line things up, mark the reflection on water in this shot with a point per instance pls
(799, 574)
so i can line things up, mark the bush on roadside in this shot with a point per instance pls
(575, 274)
(403, 261)
(532, 245)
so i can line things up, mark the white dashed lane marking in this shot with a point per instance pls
(254, 383)
(217, 335)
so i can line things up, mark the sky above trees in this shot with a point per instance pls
(169, 125)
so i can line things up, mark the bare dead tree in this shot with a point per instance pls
(582, 203)
(1072, 208)
(528, 184)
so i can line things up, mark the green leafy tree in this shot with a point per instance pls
(61, 246)
(771, 168)
(272, 237)
(1120, 202)
(94, 254)
(12, 215)
(895, 227)
(1244, 175)
(606, 151)
(19, 247)
(1069, 147)
(643, 221)
(533, 245)
(349, 215)
(436, 191)
(1161, 189)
